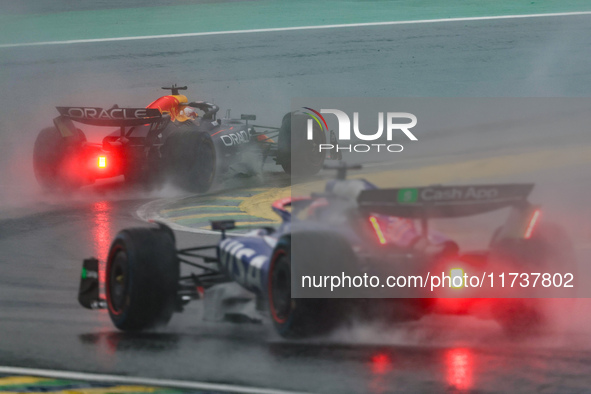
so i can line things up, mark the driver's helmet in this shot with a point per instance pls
(187, 113)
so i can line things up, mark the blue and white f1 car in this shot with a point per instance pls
(352, 227)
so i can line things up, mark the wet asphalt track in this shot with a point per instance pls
(44, 238)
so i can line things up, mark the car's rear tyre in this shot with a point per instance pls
(519, 317)
(297, 155)
(144, 173)
(136, 178)
(549, 250)
(190, 159)
(142, 277)
(57, 160)
(297, 317)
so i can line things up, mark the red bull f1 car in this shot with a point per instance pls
(352, 228)
(171, 138)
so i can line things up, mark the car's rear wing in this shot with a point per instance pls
(443, 201)
(112, 117)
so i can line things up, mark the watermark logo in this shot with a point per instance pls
(316, 116)
(395, 123)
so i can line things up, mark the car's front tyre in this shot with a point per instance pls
(142, 277)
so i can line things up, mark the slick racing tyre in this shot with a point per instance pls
(141, 279)
(548, 250)
(146, 176)
(57, 160)
(190, 160)
(297, 155)
(519, 317)
(300, 317)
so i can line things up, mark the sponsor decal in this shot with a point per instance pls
(110, 114)
(457, 193)
(242, 263)
(238, 138)
(406, 196)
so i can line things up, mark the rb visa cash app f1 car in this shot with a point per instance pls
(352, 227)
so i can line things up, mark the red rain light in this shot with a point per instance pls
(535, 217)
(457, 272)
(102, 162)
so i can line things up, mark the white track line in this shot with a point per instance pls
(280, 29)
(183, 384)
